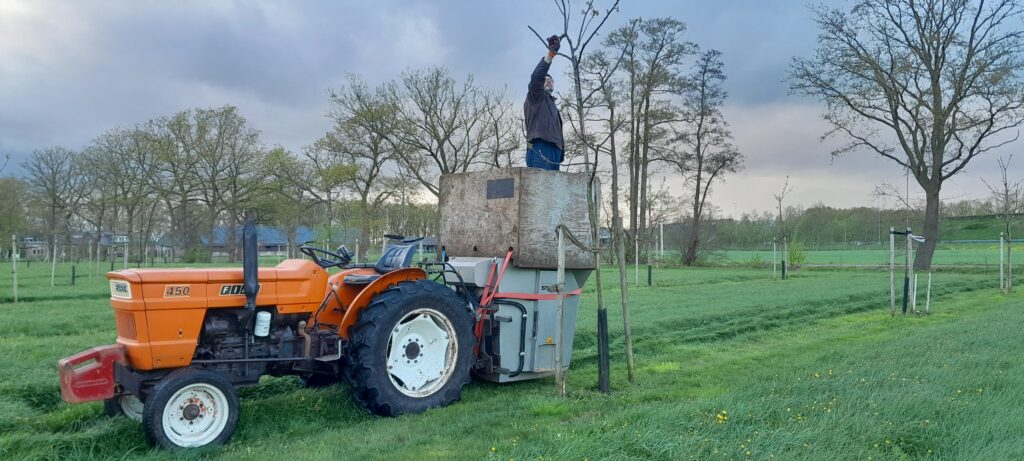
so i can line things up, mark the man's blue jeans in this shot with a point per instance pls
(544, 155)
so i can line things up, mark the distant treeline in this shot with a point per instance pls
(822, 226)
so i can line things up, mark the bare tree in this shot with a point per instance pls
(442, 124)
(13, 206)
(578, 38)
(246, 168)
(53, 179)
(365, 120)
(654, 52)
(1008, 198)
(503, 143)
(128, 162)
(929, 85)
(222, 141)
(288, 203)
(707, 153)
(779, 198)
(177, 179)
(599, 72)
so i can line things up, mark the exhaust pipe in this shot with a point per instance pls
(250, 263)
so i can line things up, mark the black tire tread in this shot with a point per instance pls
(367, 380)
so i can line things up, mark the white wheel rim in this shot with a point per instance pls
(195, 415)
(131, 406)
(422, 352)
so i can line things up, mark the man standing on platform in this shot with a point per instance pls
(545, 145)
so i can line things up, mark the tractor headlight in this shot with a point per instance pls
(120, 289)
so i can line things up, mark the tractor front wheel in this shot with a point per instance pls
(124, 404)
(190, 408)
(411, 349)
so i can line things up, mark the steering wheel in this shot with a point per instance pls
(403, 239)
(341, 258)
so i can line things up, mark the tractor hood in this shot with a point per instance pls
(293, 281)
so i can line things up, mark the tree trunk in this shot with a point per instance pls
(619, 236)
(923, 261)
(213, 229)
(691, 248)
(230, 243)
(364, 228)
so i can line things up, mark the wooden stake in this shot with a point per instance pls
(560, 282)
(909, 271)
(775, 252)
(636, 256)
(913, 305)
(14, 264)
(620, 250)
(53, 265)
(892, 270)
(1002, 280)
(928, 297)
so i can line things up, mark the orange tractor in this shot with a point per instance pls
(187, 337)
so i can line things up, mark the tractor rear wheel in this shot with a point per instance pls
(411, 349)
(190, 408)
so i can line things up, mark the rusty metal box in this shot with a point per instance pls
(483, 214)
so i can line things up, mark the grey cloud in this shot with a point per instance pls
(75, 69)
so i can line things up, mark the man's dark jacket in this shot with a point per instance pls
(542, 118)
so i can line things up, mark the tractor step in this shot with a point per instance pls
(332, 357)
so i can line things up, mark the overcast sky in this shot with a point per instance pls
(72, 70)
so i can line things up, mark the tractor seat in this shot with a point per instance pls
(396, 257)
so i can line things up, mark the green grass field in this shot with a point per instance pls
(730, 366)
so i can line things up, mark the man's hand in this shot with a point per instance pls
(553, 44)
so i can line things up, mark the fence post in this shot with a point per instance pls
(913, 305)
(560, 282)
(14, 264)
(53, 264)
(908, 271)
(774, 258)
(1002, 280)
(72, 275)
(661, 239)
(928, 297)
(785, 255)
(892, 270)
(636, 256)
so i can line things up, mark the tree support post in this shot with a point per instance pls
(913, 304)
(661, 240)
(53, 265)
(620, 249)
(1002, 253)
(928, 297)
(775, 253)
(892, 270)
(908, 271)
(785, 255)
(14, 265)
(636, 256)
(560, 283)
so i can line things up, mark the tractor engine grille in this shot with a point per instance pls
(126, 325)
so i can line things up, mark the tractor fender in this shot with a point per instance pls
(363, 299)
